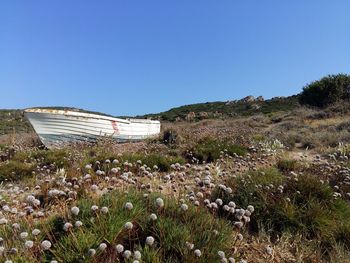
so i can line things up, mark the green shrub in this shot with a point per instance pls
(304, 206)
(288, 165)
(59, 157)
(209, 150)
(15, 170)
(326, 91)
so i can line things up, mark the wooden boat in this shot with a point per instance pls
(56, 127)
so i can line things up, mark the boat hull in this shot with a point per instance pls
(57, 128)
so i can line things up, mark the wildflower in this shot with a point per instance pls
(67, 226)
(29, 244)
(45, 245)
(238, 224)
(119, 248)
(102, 246)
(184, 207)
(159, 202)
(221, 254)
(153, 217)
(23, 235)
(197, 253)
(137, 254)
(250, 208)
(3, 221)
(269, 250)
(16, 226)
(91, 252)
(219, 201)
(189, 245)
(94, 208)
(104, 210)
(75, 210)
(128, 206)
(239, 237)
(232, 260)
(78, 224)
(127, 254)
(94, 187)
(128, 225)
(36, 232)
(149, 240)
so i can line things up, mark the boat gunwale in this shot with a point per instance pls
(71, 113)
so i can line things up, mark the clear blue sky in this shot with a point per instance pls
(141, 56)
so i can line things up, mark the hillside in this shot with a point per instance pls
(247, 106)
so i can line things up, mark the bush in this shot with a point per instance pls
(60, 157)
(326, 91)
(15, 170)
(287, 165)
(209, 150)
(282, 204)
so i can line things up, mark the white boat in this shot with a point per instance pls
(57, 128)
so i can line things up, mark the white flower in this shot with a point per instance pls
(94, 187)
(189, 245)
(128, 225)
(104, 210)
(91, 252)
(75, 210)
(94, 208)
(16, 226)
(102, 246)
(29, 244)
(184, 207)
(221, 254)
(45, 245)
(149, 240)
(197, 253)
(127, 254)
(250, 208)
(232, 260)
(78, 224)
(219, 201)
(67, 226)
(23, 235)
(3, 221)
(137, 254)
(128, 206)
(153, 217)
(119, 248)
(159, 202)
(35, 232)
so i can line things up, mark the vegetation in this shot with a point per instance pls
(15, 170)
(226, 109)
(170, 231)
(326, 91)
(209, 149)
(301, 204)
(13, 121)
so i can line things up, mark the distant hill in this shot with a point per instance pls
(245, 107)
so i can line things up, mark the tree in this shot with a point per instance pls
(326, 91)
